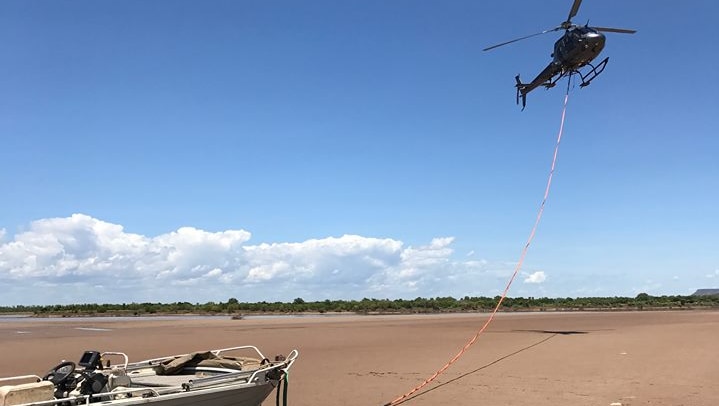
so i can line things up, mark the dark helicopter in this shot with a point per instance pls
(577, 48)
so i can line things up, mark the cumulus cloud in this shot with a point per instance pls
(536, 277)
(713, 275)
(83, 259)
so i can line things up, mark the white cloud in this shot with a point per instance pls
(537, 277)
(713, 275)
(82, 259)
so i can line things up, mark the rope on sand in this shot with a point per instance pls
(405, 397)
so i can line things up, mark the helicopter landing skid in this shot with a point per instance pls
(592, 73)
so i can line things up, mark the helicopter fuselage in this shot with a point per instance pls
(578, 47)
(575, 49)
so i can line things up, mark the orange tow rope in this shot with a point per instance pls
(514, 275)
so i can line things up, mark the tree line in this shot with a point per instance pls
(448, 304)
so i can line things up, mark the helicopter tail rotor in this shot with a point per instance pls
(521, 87)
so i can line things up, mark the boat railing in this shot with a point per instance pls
(291, 358)
(242, 347)
(122, 354)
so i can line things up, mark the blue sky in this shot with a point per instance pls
(267, 150)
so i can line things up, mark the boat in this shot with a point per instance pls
(236, 376)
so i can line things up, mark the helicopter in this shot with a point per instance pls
(575, 49)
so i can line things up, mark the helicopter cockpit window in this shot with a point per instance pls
(564, 44)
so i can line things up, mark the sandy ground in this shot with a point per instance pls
(542, 359)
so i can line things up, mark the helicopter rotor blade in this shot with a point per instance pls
(619, 30)
(519, 39)
(573, 10)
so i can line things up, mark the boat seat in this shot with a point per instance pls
(25, 393)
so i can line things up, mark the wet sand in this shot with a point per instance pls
(541, 359)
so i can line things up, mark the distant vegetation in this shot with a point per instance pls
(233, 306)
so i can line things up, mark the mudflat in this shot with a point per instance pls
(630, 358)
